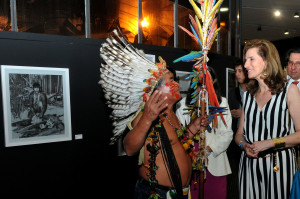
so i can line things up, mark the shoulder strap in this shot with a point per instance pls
(170, 162)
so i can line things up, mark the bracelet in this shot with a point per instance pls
(241, 145)
(190, 131)
(279, 143)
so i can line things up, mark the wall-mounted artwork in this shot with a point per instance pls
(183, 82)
(36, 105)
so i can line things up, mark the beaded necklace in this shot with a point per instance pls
(153, 149)
(186, 142)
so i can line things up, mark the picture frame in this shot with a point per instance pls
(36, 105)
(183, 82)
(150, 57)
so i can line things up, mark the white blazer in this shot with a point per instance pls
(218, 140)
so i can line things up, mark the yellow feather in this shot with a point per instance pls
(213, 39)
(197, 10)
(212, 12)
(200, 30)
(205, 10)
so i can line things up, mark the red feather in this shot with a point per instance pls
(194, 24)
(189, 33)
(213, 100)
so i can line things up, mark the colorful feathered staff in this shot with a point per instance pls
(204, 31)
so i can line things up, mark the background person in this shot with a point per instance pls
(293, 66)
(235, 97)
(235, 100)
(38, 104)
(217, 142)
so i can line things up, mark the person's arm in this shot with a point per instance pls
(44, 103)
(293, 101)
(223, 136)
(135, 139)
(240, 139)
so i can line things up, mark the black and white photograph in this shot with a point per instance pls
(36, 105)
(183, 81)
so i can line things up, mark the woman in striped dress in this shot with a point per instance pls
(269, 126)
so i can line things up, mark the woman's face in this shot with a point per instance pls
(254, 64)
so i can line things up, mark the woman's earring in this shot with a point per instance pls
(265, 73)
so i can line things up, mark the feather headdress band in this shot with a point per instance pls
(126, 78)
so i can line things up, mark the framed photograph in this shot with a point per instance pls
(183, 82)
(150, 57)
(36, 105)
(231, 82)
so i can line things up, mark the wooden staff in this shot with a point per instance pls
(201, 176)
(202, 131)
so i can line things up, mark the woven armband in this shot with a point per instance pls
(279, 143)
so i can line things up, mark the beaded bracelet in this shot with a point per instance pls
(241, 145)
(279, 143)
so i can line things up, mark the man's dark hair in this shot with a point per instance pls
(239, 62)
(36, 85)
(292, 50)
(172, 70)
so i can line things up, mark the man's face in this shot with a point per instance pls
(170, 87)
(36, 89)
(239, 74)
(293, 67)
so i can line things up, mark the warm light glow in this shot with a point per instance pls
(145, 23)
(286, 32)
(277, 13)
(222, 23)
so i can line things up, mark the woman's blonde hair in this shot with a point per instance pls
(274, 76)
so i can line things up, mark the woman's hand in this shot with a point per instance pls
(249, 151)
(253, 149)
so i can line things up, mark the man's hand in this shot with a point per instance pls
(197, 123)
(154, 106)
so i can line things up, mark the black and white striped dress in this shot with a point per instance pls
(256, 175)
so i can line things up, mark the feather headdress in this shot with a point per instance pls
(126, 78)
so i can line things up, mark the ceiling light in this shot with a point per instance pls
(225, 9)
(286, 32)
(296, 15)
(277, 13)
